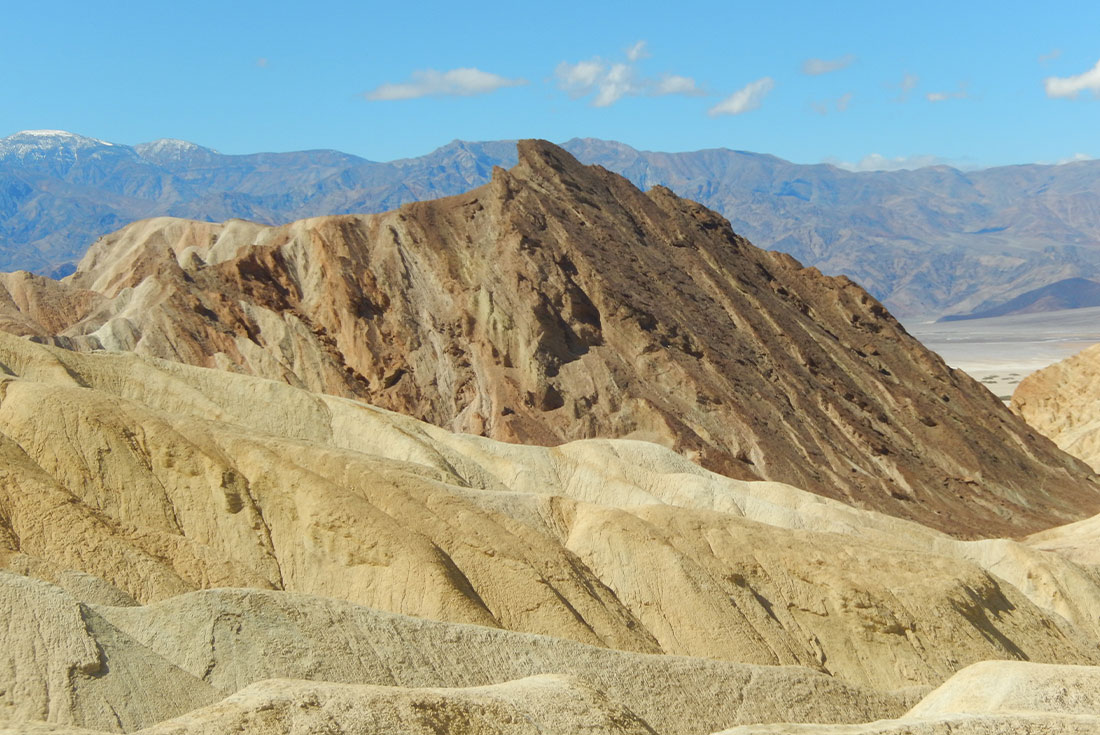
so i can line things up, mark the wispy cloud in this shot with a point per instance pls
(609, 82)
(1047, 58)
(961, 93)
(816, 67)
(878, 162)
(675, 84)
(745, 99)
(840, 104)
(637, 52)
(1070, 87)
(1076, 158)
(906, 85)
(464, 82)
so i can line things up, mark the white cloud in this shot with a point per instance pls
(906, 85)
(1047, 58)
(1076, 158)
(745, 99)
(840, 104)
(675, 84)
(959, 94)
(815, 67)
(637, 52)
(617, 82)
(1070, 87)
(463, 82)
(878, 162)
(610, 82)
(580, 77)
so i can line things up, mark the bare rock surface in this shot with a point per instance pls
(235, 638)
(547, 705)
(174, 479)
(366, 671)
(557, 303)
(988, 698)
(64, 663)
(1063, 402)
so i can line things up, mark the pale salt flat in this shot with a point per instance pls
(1001, 351)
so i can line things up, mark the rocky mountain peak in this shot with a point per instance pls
(56, 152)
(173, 150)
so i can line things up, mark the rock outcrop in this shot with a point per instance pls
(1063, 402)
(173, 478)
(601, 585)
(989, 698)
(557, 303)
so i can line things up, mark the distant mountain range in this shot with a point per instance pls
(928, 242)
(1069, 293)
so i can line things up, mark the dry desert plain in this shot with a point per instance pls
(999, 352)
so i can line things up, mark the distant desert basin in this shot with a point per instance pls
(999, 352)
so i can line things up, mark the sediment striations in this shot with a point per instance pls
(558, 302)
(152, 479)
(1062, 401)
(598, 586)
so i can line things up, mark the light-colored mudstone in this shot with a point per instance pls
(1063, 402)
(989, 698)
(177, 478)
(63, 663)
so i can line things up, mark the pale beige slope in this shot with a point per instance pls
(155, 468)
(235, 638)
(989, 698)
(1079, 542)
(546, 705)
(611, 473)
(72, 665)
(62, 662)
(1063, 402)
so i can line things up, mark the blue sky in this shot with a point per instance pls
(870, 84)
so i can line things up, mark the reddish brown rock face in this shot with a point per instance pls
(559, 302)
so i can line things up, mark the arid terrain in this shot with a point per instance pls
(999, 352)
(552, 456)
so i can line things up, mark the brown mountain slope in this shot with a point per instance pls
(559, 302)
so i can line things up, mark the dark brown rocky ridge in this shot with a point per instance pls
(559, 302)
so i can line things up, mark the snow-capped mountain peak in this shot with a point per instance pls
(50, 139)
(167, 150)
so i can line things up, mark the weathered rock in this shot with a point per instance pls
(545, 705)
(366, 671)
(1063, 402)
(156, 470)
(558, 302)
(63, 662)
(235, 638)
(989, 698)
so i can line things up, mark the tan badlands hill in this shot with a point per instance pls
(990, 698)
(1063, 402)
(557, 303)
(642, 592)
